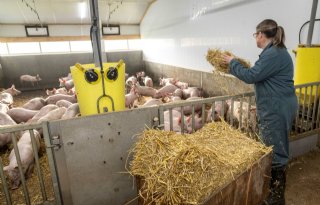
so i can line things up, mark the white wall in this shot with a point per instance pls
(180, 32)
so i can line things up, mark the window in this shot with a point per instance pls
(55, 47)
(80, 46)
(110, 45)
(3, 48)
(135, 44)
(28, 47)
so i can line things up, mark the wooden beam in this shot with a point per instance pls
(64, 38)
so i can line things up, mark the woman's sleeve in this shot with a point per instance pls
(265, 67)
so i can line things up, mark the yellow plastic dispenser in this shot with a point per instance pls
(88, 84)
(307, 71)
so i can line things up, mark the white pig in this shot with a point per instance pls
(181, 85)
(144, 90)
(34, 104)
(68, 84)
(131, 97)
(167, 81)
(63, 103)
(151, 102)
(21, 114)
(176, 122)
(71, 112)
(6, 98)
(30, 78)
(53, 99)
(53, 115)
(27, 158)
(165, 91)
(5, 120)
(42, 112)
(57, 91)
(220, 111)
(4, 108)
(148, 81)
(12, 90)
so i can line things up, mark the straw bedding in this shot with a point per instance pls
(214, 57)
(186, 169)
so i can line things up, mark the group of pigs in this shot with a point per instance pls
(173, 91)
(60, 104)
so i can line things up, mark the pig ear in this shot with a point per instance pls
(188, 119)
(47, 91)
(60, 80)
(54, 89)
(12, 86)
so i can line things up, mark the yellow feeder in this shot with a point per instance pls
(88, 84)
(307, 70)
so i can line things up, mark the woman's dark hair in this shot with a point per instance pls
(271, 29)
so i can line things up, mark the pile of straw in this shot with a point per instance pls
(186, 169)
(214, 56)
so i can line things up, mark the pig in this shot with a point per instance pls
(53, 99)
(251, 123)
(192, 92)
(165, 91)
(6, 98)
(197, 122)
(68, 77)
(12, 90)
(131, 81)
(152, 102)
(176, 122)
(167, 81)
(178, 92)
(57, 91)
(53, 115)
(63, 103)
(42, 112)
(71, 112)
(27, 158)
(181, 85)
(187, 110)
(148, 81)
(145, 91)
(131, 97)
(126, 76)
(30, 78)
(220, 111)
(5, 120)
(68, 84)
(20, 115)
(4, 108)
(72, 91)
(34, 104)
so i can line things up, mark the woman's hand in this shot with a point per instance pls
(227, 58)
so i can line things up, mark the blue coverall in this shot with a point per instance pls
(276, 100)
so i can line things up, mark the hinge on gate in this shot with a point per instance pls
(156, 123)
(55, 143)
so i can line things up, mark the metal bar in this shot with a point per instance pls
(193, 119)
(318, 117)
(315, 102)
(170, 119)
(309, 108)
(312, 20)
(249, 112)
(231, 112)
(161, 117)
(52, 165)
(4, 184)
(23, 182)
(222, 110)
(304, 106)
(20, 127)
(182, 120)
(213, 110)
(203, 109)
(306, 84)
(39, 173)
(298, 111)
(240, 117)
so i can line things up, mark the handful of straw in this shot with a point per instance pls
(186, 169)
(214, 57)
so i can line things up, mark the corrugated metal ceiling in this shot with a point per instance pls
(71, 11)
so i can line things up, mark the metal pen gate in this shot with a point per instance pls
(87, 155)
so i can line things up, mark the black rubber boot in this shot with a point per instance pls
(277, 187)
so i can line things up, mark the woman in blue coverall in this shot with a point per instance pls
(272, 76)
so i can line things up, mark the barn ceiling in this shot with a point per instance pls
(71, 11)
